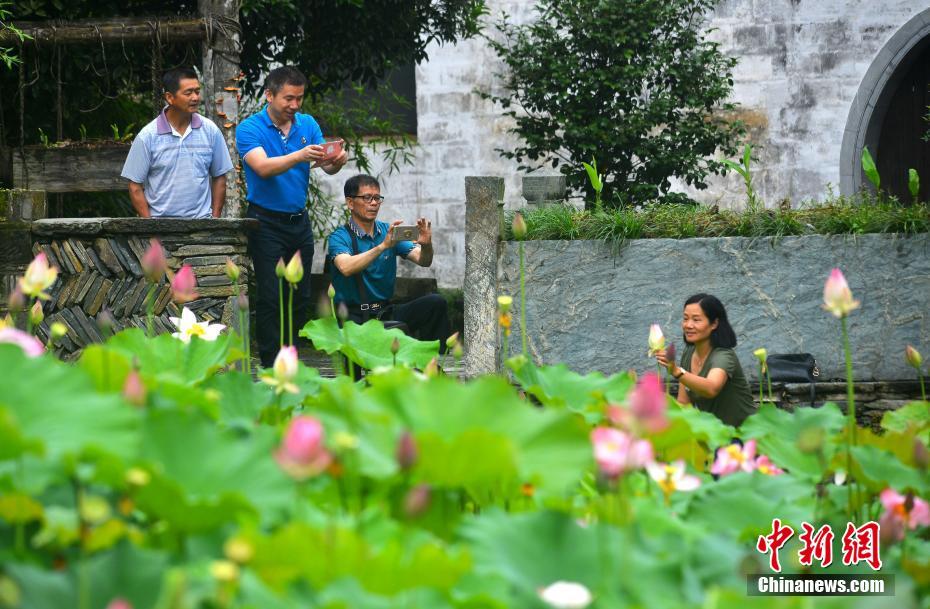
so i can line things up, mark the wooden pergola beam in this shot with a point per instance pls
(122, 29)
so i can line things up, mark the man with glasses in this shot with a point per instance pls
(364, 259)
(278, 145)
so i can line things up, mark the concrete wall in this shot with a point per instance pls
(801, 65)
(591, 307)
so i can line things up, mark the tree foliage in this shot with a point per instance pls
(634, 84)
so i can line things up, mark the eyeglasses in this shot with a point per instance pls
(368, 198)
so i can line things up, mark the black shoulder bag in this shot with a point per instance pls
(363, 293)
(793, 368)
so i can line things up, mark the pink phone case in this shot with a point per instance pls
(332, 149)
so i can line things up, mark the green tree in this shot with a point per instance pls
(7, 55)
(634, 84)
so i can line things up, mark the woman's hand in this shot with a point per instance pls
(668, 364)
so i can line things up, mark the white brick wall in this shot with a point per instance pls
(801, 63)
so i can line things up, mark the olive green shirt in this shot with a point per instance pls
(734, 402)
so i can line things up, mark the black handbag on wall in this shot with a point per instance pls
(793, 368)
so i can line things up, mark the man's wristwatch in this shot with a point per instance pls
(680, 374)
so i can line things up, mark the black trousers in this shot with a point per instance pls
(277, 238)
(427, 318)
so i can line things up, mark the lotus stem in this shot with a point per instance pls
(281, 311)
(290, 315)
(150, 311)
(522, 303)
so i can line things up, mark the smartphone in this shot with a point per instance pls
(332, 149)
(406, 233)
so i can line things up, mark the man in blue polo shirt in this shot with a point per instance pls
(278, 145)
(364, 259)
(177, 164)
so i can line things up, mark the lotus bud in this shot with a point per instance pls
(239, 550)
(395, 346)
(294, 271)
(119, 603)
(242, 302)
(17, 300)
(519, 227)
(105, 321)
(280, 268)
(39, 277)
(407, 452)
(232, 270)
(656, 339)
(154, 263)
(36, 314)
(921, 455)
(457, 351)
(183, 286)
(566, 595)
(302, 453)
(837, 297)
(57, 330)
(432, 368)
(504, 303)
(417, 500)
(913, 358)
(670, 353)
(134, 389)
(138, 477)
(331, 292)
(342, 311)
(224, 571)
(324, 308)
(452, 341)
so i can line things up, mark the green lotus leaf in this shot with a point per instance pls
(369, 345)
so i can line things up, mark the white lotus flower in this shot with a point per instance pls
(188, 326)
(284, 371)
(566, 595)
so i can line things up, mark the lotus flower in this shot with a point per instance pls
(566, 595)
(648, 402)
(30, 345)
(656, 339)
(762, 355)
(134, 389)
(39, 277)
(837, 297)
(671, 477)
(912, 357)
(294, 271)
(284, 371)
(519, 227)
(765, 466)
(188, 326)
(184, 285)
(302, 453)
(902, 513)
(733, 458)
(119, 603)
(154, 264)
(617, 452)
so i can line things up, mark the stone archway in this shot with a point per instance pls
(897, 65)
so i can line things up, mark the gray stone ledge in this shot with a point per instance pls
(97, 226)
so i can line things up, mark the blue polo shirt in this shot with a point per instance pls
(285, 192)
(380, 274)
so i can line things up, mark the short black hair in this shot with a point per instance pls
(285, 75)
(171, 80)
(355, 183)
(723, 335)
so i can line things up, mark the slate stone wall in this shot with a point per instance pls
(590, 306)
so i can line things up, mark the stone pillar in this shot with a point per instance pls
(540, 191)
(483, 207)
(18, 209)
(221, 84)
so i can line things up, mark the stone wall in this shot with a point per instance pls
(801, 65)
(99, 262)
(590, 305)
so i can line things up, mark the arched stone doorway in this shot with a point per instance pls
(887, 114)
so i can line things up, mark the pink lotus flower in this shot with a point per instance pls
(302, 453)
(119, 603)
(134, 389)
(39, 277)
(733, 458)
(284, 371)
(184, 285)
(765, 466)
(154, 264)
(837, 297)
(617, 452)
(30, 345)
(902, 513)
(649, 402)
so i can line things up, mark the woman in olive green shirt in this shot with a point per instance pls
(709, 375)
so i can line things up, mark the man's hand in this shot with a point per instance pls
(334, 164)
(390, 241)
(313, 153)
(426, 231)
